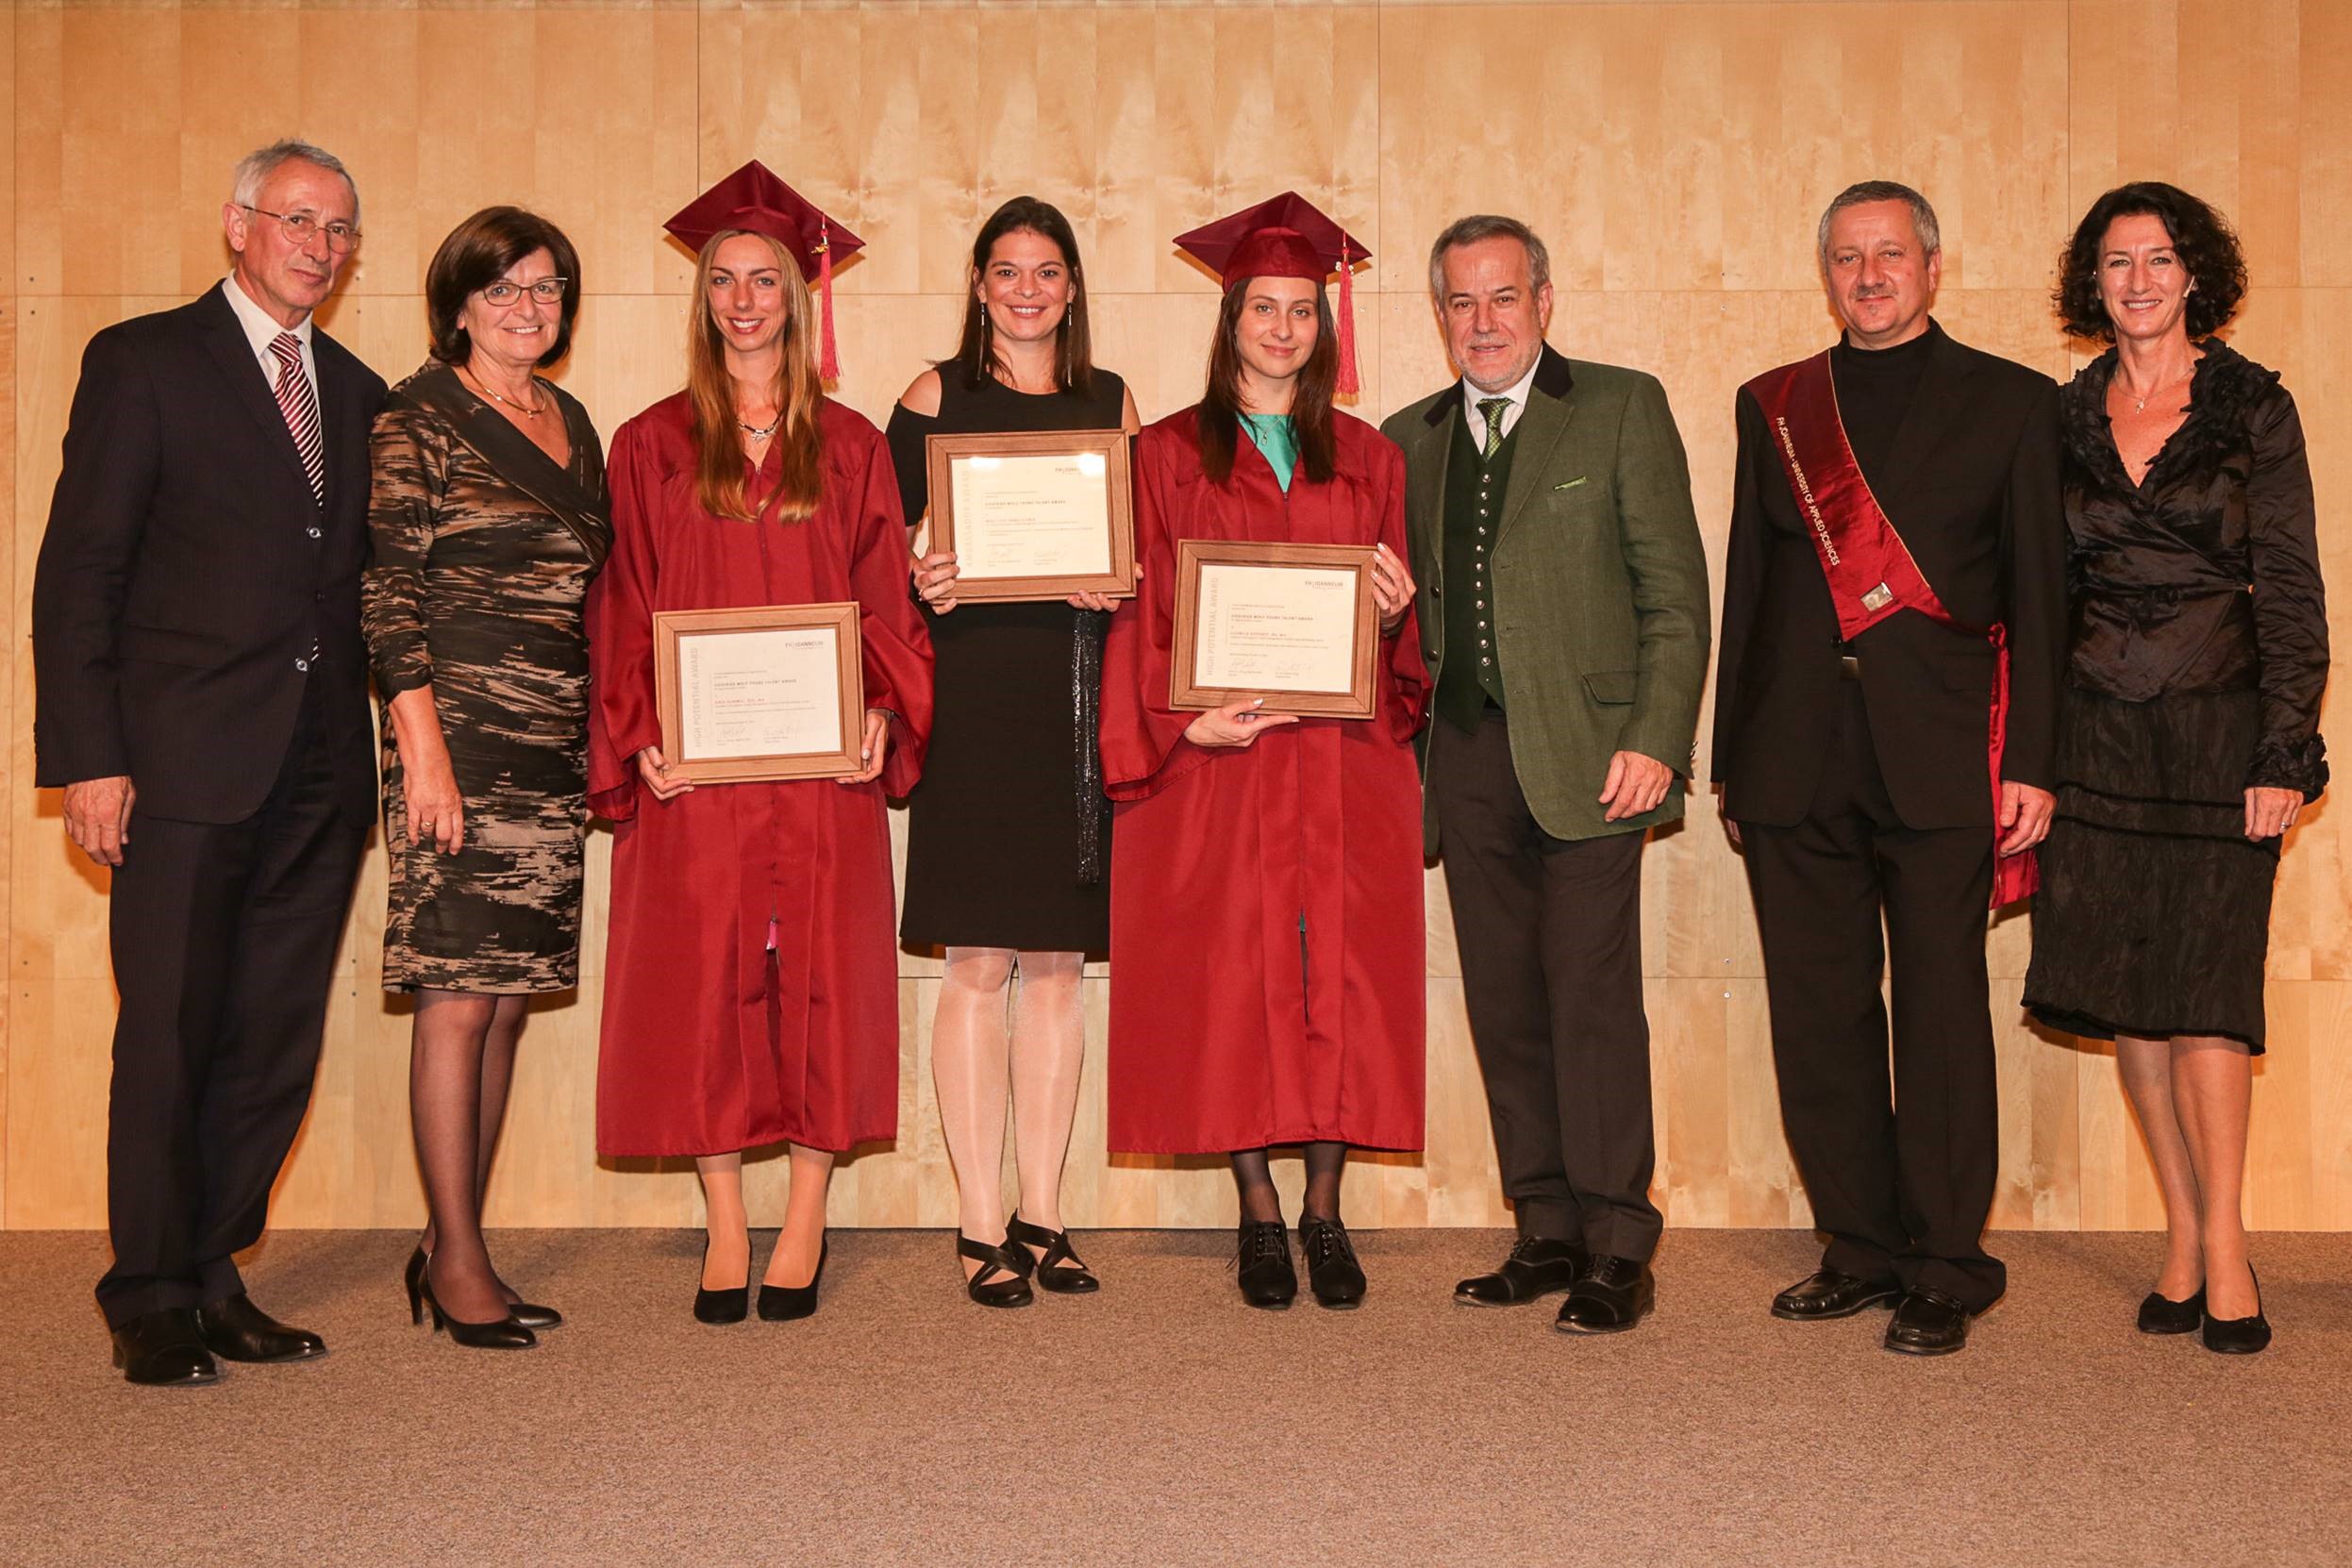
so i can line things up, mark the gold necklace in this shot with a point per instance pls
(2139, 400)
(492, 393)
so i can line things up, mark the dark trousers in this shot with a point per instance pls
(224, 940)
(1900, 1173)
(1550, 934)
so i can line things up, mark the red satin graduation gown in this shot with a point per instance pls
(1265, 904)
(706, 1047)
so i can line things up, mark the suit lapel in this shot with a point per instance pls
(1425, 471)
(233, 355)
(1550, 404)
(1935, 411)
(334, 412)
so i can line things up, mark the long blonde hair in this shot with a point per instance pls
(718, 443)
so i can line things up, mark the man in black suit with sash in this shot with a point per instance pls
(1856, 726)
(201, 697)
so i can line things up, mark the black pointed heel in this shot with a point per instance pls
(785, 1303)
(415, 1279)
(1003, 1277)
(728, 1306)
(497, 1334)
(1075, 1279)
(529, 1314)
(2239, 1336)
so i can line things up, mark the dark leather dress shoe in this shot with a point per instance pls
(165, 1350)
(1267, 1277)
(237, 1330)
(1827, 1294)
(1332, 1272)
(1610, 1296)
(1538, 1265)
(1927, 1323)
(2239, 1336)
(2160, 1314)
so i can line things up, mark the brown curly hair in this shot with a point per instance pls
(2202, 237)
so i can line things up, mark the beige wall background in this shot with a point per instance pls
(1675, 154)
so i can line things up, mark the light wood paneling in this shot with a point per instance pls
(1675, 156)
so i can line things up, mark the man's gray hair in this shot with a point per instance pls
(1922, 216)
(1488, 226)
(254, 169)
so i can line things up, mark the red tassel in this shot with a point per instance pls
(1349, 383)
(830, 360)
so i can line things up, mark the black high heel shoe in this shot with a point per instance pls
(1076, 1280)
(784, 1303)
(2239, 1336)
(523, 1312)
(497, 1334)
(728, 1306)
(1003, 1277)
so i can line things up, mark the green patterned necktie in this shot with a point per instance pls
(1495, 409)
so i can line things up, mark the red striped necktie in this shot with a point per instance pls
(300, 404)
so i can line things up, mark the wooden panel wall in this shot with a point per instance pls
(1675, 154)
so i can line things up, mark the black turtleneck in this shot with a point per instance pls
(1874, 388)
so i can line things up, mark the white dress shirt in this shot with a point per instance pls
(262, 329)
(1472, 397)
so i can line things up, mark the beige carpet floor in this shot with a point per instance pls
(1163, 1422)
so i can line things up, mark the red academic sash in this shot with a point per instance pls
(1869, 570)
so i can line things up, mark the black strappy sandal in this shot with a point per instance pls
(1002, 1278)
(1076, 1280)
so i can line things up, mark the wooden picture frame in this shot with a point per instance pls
(943, 453)
(688, 687)
(1189, 687)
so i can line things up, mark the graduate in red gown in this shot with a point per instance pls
(1265, 886)
(751, 987)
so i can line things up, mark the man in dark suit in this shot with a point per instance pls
(1563, 616)
(1853, 727)
(202, 700)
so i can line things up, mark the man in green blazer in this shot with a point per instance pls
(1563, 616)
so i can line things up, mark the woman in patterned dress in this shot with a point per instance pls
(489, 520)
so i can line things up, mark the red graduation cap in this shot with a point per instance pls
(754, 199)
(1286, 237)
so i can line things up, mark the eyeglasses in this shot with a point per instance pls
(548, 291)
(340, 235)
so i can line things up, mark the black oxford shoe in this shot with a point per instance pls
(1829, 1294)
(1927, 1323)
(1538, 1265)
(2160, 1314)
(1267, 1277)
(1610, 1296)
(163, 1350)
(1332, 1272)
(237, 1330)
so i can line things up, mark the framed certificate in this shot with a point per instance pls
(1034, 514)
(774, 691)
(1293, 623)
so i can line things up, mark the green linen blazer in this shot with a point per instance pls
(1600, 585)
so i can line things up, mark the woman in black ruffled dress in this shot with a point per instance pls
(2199, 650)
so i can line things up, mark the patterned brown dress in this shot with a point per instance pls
(483, 551)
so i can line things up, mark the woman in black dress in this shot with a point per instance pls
(1007, 835)
(489, 521)
(2190, 740)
